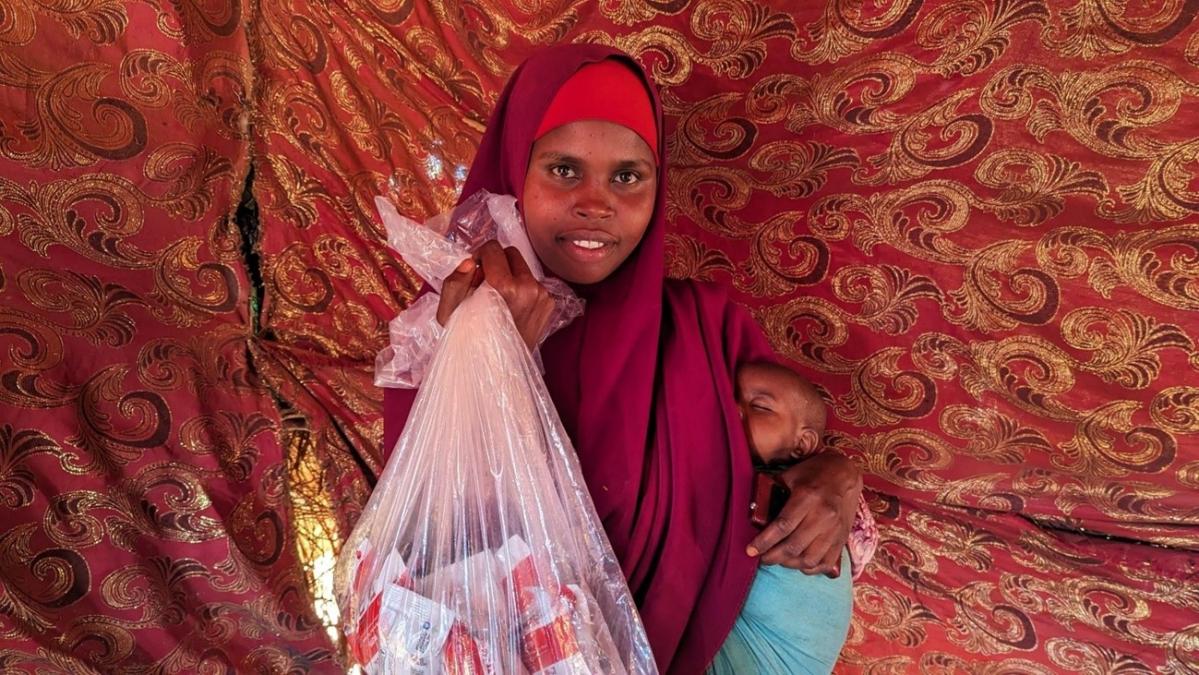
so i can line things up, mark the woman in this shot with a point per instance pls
(643, 380)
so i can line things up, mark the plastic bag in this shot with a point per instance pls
(480, 550)
(434, 251)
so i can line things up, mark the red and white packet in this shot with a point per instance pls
(560, 631)
(595, 639)
(363, 632)
(549, 643)
(417, 631)
(472, 586)
(464, 655)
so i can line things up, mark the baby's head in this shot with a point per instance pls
(783, 413)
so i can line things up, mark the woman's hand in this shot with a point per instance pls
(814, 525)
(505, 271)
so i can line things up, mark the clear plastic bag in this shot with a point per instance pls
(480, 550)
(434, 251)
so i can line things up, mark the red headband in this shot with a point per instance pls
(606, 90)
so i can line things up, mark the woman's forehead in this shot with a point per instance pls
(594, 140)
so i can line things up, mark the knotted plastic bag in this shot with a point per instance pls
(433, 251)
(480, 550)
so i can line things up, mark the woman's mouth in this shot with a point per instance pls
(587, 246)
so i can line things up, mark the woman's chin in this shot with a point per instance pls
(585, 278)
(580, 275)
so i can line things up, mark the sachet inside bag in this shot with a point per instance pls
(480, 550)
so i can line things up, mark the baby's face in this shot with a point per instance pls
(774, 413)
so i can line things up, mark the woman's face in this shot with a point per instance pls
(588, 198)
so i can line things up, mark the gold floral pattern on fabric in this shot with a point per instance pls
(977, 234)
(975, 225)
(143, 470)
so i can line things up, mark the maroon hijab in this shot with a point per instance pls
(643, 382)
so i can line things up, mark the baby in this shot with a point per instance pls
(784, 420)
(783, 413)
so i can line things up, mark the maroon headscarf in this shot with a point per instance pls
(643, 382)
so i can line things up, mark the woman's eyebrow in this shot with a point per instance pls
(634, 164)
(558, 157)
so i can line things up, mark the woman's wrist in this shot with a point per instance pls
(828, 471)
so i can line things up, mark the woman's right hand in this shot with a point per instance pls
(504, 270)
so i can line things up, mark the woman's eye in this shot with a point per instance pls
(627, 177)
(563, 171)
(759, 407)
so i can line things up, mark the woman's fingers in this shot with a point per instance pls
(506, 271)
(810, 550)
(791, 549)
(454, 290)
(830, 564)
(806, 535)
(789, 518)
(536, 305)
(518, 266)
(496, 269)
(817, 516)
(530, 303)
(811, 555)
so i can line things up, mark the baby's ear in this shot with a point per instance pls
(809, 440)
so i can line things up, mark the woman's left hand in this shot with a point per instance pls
(813, 527)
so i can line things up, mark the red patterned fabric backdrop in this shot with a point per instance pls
(975, 224)
(143, 483)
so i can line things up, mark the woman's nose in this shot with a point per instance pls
(593, 202)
